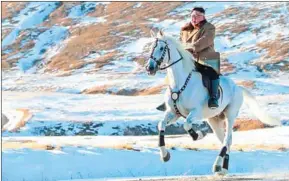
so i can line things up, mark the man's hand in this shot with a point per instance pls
(191, 50)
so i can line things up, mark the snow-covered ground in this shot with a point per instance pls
(87, 163)
(51, 110)
(59, 108)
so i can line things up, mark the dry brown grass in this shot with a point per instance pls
(238, 147)
(277, 50)
(101, 36)
(131, 146)
(151, 90)
(61, 63)
(236, 28)
(28, 144)
(5, 65)
(103, 89)
(239, 28)
(96, 90)
(10, 8)
(248, 124)
(241, 14)
(231, 11)
(59, 16)
(247, 84)
(5, 32)
(227, 67)
(140, 60)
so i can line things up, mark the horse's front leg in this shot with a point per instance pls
(195, 115)
(169, 117)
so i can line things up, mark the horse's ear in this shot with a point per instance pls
(153, 34)
(161, 33)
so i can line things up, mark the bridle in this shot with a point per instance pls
(160, 61)
(174, 94)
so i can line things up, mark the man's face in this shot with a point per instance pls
(197, 17)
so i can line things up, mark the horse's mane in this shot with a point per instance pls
(188, 60)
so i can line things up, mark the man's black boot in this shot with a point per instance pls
(213, 101)
(162, 107)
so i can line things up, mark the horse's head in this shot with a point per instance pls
(159, 53)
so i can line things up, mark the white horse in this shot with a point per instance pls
(187, 97)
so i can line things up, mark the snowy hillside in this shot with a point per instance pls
(46, 54)
(74, 71)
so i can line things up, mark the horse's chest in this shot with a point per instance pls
(181, 105)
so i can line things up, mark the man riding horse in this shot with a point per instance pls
(198, 37)
(186, 95)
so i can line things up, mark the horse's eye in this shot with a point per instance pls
(162, 48)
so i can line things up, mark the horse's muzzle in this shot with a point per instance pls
(151, 69)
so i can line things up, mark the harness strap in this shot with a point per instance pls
(177, 94)
(177, 110)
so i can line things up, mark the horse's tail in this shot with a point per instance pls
(251, 102)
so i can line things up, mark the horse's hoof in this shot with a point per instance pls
(217, 169)
(167, 157)
(223, 172)
(201, 135)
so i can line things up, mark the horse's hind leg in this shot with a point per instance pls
(217, 125)
(221, 164)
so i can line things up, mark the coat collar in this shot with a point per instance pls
(192, 33)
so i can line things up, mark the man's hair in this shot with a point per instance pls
(200, 9)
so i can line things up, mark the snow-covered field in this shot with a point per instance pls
(86, 163)
(68, 135)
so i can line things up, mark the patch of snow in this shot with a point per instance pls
(170, 26)
(44, 41)
(85, 21)
(26, 18)
(153, 19)
(86, 7)
(18, 55)
(242, 57)
(242, 61)
(56, 151)
(137, 46)
(137, 5)
(244, 39)
(123, 65)
(92, 56)
(10, 38)
(88, 152)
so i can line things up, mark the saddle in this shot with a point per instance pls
(206, 83)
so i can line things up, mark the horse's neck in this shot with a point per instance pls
(176, 73)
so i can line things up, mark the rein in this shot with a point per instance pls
(174, 95)
(163, 56)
